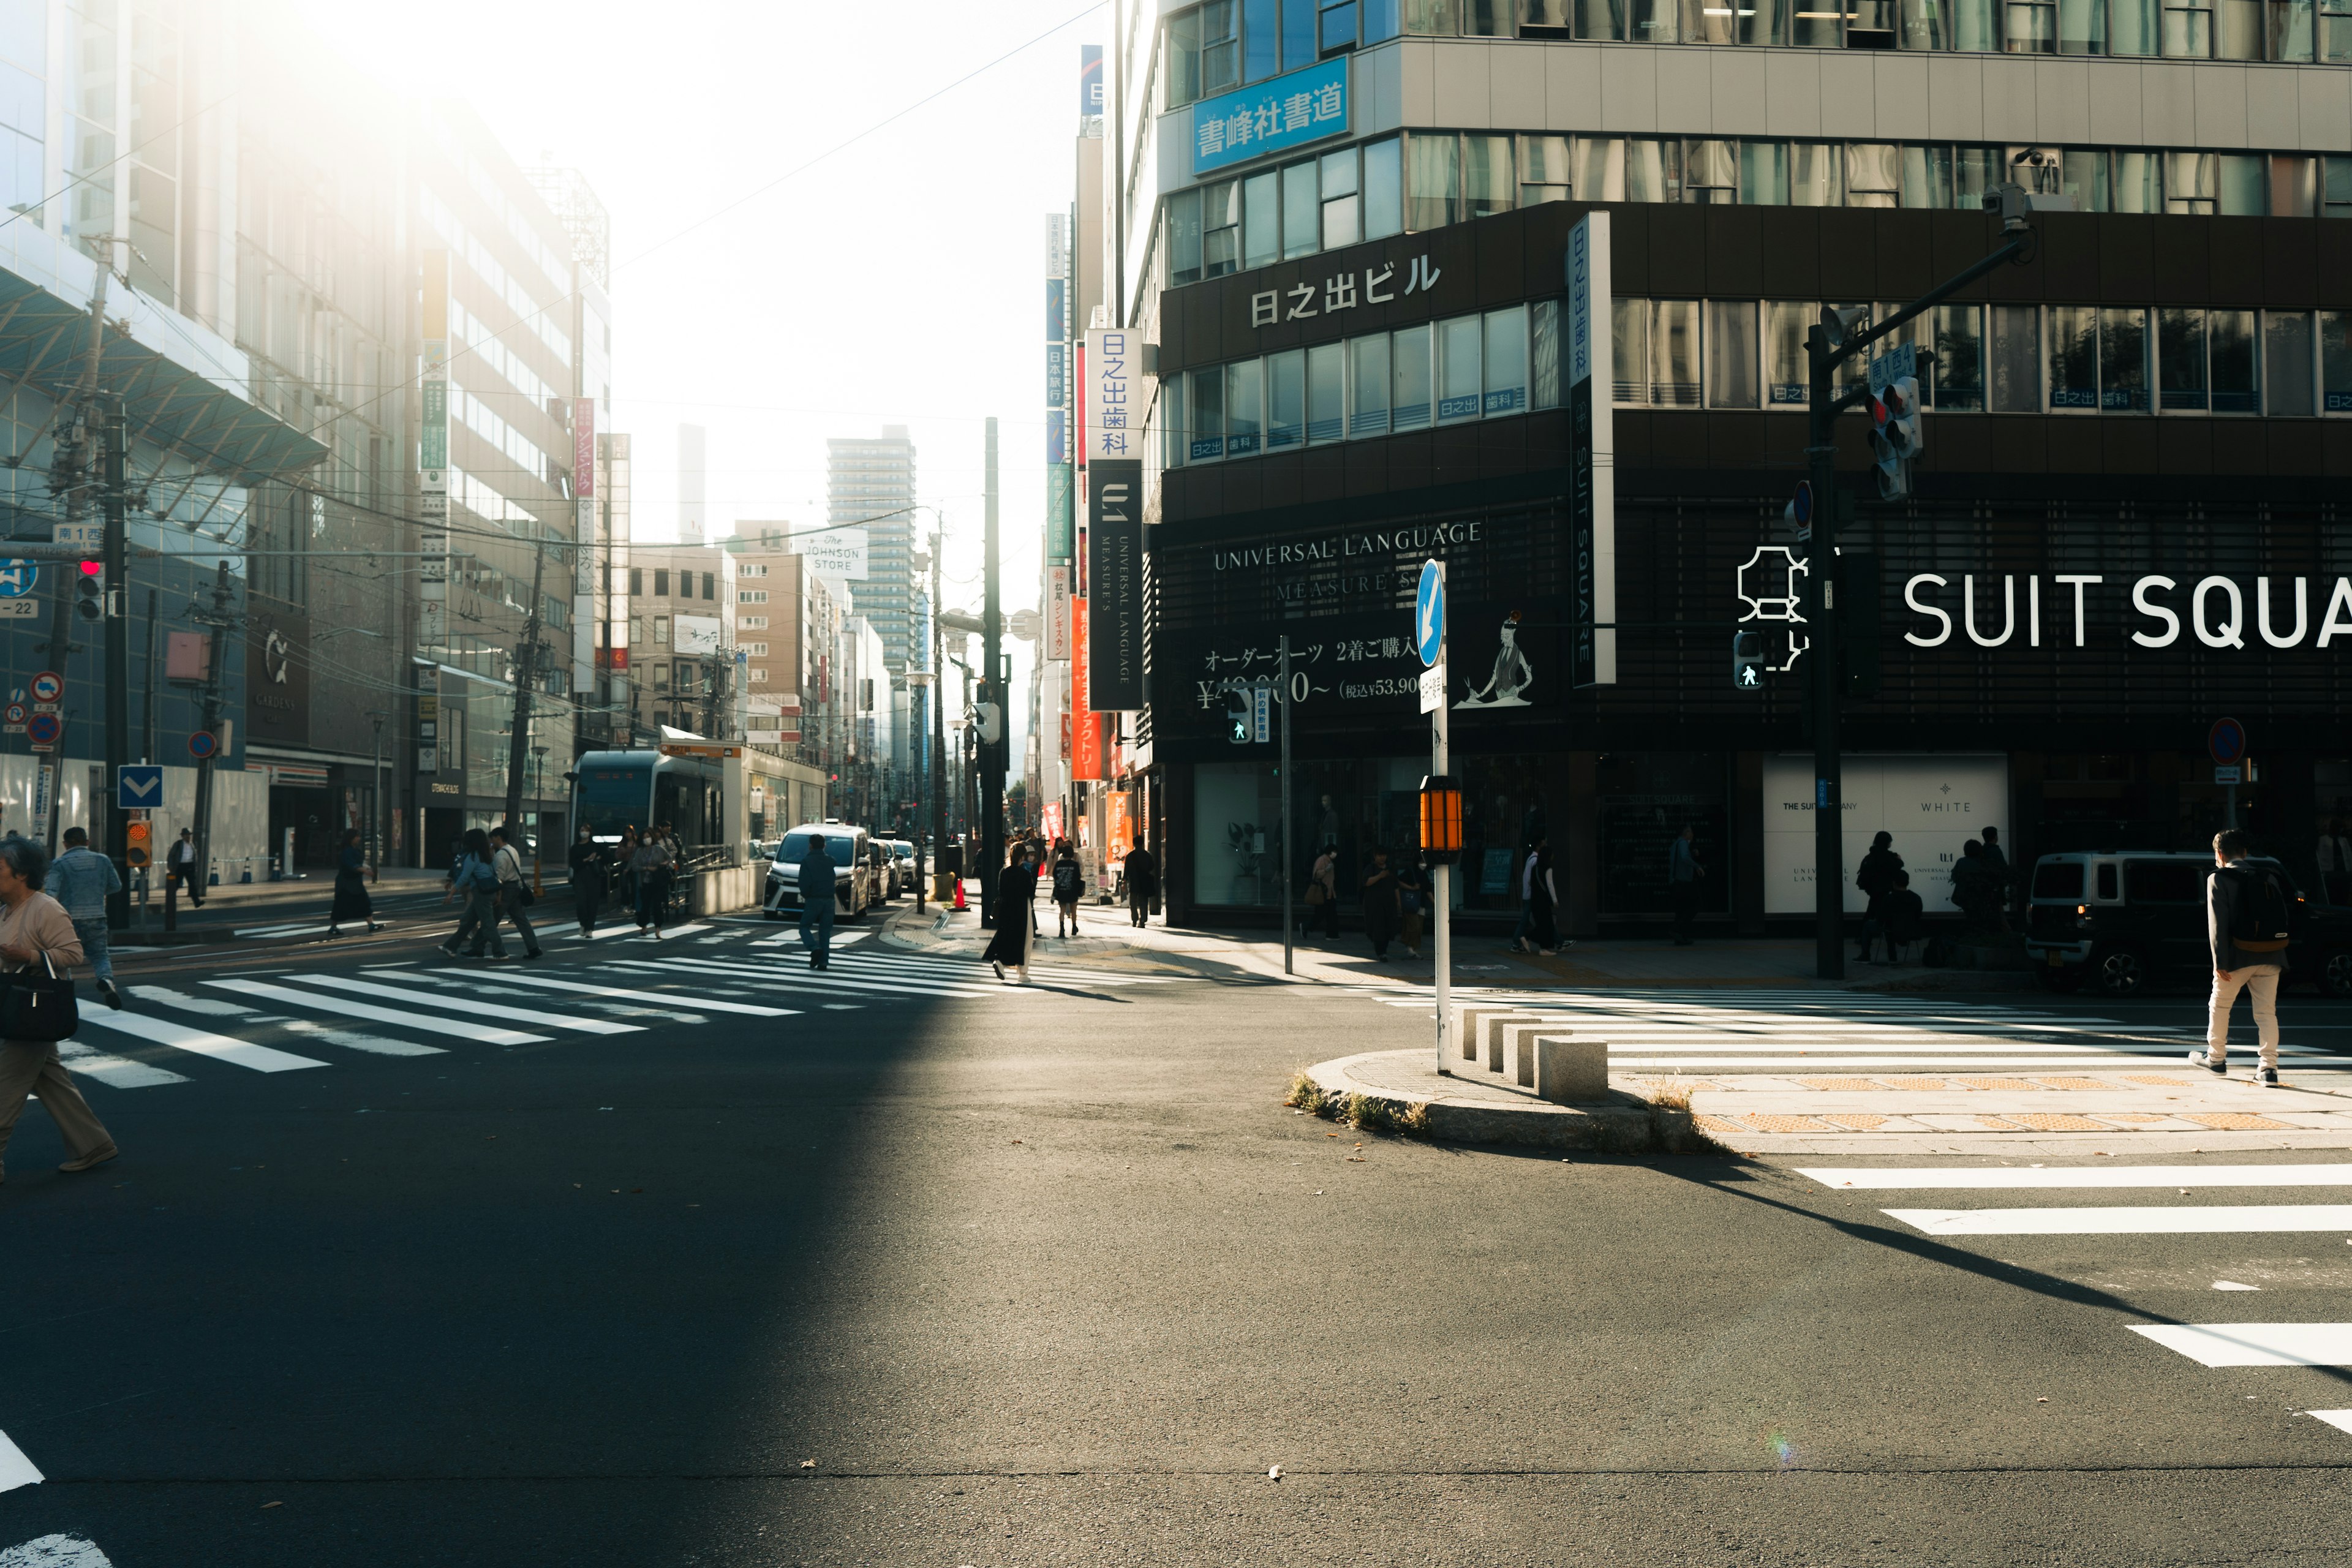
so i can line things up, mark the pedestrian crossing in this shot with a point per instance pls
(1761, 1030)
(293, 1020)
(2216, 1345)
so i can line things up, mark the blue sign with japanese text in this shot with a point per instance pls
(1288, 112)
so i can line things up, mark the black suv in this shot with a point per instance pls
(2126, 919)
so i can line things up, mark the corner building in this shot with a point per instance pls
(2126, 524)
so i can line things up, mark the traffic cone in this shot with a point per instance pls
(959, 903)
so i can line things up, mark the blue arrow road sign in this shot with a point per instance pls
(1429, 615)
(138, 786)
(16, 578)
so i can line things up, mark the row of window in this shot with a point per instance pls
(1750, 353)
(1440, 372)
(1430, 179)
(661, 575)
(1224, 43)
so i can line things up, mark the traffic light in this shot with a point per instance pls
(90, 591)
(1238, 720)
(1894, 434)
(138, 838)
(1748, 661)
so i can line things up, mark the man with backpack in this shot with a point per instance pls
(2246, 924)
(1875, 876)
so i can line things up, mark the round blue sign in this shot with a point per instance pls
(17, 578)
(201, 744)
(2227, 740)
(1429, 614)
(44, 729)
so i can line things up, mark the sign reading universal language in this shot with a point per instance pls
(1114, 584)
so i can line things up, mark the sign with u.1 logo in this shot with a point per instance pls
(1429, 614)
(49, 685)
(43, 729)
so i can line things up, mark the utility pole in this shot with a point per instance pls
(116, 558)
(1839, 338)
(992, 634)
(526, 667)
(69, 481)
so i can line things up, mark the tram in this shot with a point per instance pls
(614, 790)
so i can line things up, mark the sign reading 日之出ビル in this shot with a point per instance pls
(1304, 106)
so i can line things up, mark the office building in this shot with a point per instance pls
(680, 601)
(1347, 230)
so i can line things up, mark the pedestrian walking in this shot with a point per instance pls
(1876, 878)
(1139, 873)
(816, 882)
(1323, 891)
(1412, 907)
(1383, 909)
(1905, 917)
(1543, 901)
(624, 873)
(36, 933)
(180, 871)
(476, 880)
(514, 893)
(80, 880)
(1684, 874)
(1016, 894)
(1069, 886)
(591, 869)
(1523, 883)
(652, 863)
(2004, 876)
(2247, 922)
(1972, 888)
(352, 900)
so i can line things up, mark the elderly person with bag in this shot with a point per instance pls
(36, 1008)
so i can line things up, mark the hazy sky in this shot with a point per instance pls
(899, 282)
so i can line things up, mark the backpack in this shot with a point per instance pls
(2258, 915)
(1070, 882)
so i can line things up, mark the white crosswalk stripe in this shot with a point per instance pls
(697, 1001)
(484, 1033)
(1769, 1032)
(202, 1042)
(88, 1061)
(475, 1006)
(2217, 1345)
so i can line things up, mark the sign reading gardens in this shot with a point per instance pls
(2217, 612)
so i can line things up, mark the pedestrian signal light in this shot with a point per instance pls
(1239, 721)
(136, 844)
(1894, 434)
(1441, 820)
(90, 591)
(1748, 661)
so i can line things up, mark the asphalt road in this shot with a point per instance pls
(1052, 1278)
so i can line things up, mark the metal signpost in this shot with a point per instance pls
(1283, 844)
(2226, 742)
(1429, 641)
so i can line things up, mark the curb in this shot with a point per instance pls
(1623, 1124)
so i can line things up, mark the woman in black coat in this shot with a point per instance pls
(352, 900)
(592, 870)
(1016, 894)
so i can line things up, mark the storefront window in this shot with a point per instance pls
(1645, 800)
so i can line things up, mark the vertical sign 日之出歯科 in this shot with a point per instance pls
(1593, 474)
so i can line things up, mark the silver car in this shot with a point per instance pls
(851, 851)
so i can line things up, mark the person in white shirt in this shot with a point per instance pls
(513, 895)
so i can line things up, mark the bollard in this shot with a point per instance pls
(1491, 1029)
(1469, 1026)
(1568, 1071)
(1518, 1047)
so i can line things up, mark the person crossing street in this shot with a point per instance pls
(1069, 886)
(514, 893)
(474, 878)
(351, 900)
(1015, 904)
(180, 871)
(591, 865)
(819, 889)
(2246, 926)
(80, 880)
(35, 932)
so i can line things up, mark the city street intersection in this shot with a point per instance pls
(683, 1254)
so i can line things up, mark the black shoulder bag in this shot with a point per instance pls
(39, 1006)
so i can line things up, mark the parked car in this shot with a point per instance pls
(849, 848)
(2122, 920)
(886, 870)
(902, 862)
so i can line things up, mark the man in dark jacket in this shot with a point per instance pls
(1142, 881)
(1876, 878)
(1903, 916)
(817, 885)
(2235, 898)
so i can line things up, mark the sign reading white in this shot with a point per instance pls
(1932, 805)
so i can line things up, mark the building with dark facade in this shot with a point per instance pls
(2127, 523)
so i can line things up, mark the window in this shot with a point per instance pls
(759, 675)
(1505, 360)
(2188, 31)
(1301, 214)
(1873, 174)
(1458, 371)
(2239, 34)
(1261, 38)
(1617, 169)
(1221, 61)
(2181, 360)
(1208, 415)
(636, 580)
(757, 569)
(1183, 229)
(1286, 400)
(1710, 171)
(1383, 19)
(1816, 25)
(1629, 339)
(1486, 175)
(2123, 360)
(2335, 187)
(1652, 21)
(2336, 31)
(2336, 361)
(2286, 364)
(753, 623)
(1339, 26)
(1928, 177)
(2190, 179)
(1435, 185)
(1957, 384)
(756, 650)
(2082, 26)
(1261, 219)
(1731, 353)
(2132, 27)
(1242, 405)
(1368, 362)
(1221, 231)
(1787, 371)
(706, 589)
(661, 632)
(2290, 30)
(2164, 882)
(2083, 174)
(1175, 429)
(1343, 218)
(1297, 33)
(1543, 170)
(1383, 188)
(751, 595)
(1325, 391)
(1546, 20)
(2241, 175)
(2030, 26)
(661, 671)
(2231, 359)
(2137, 183)
(1183, 59)
(2014, 357)
(1490, 18)
(1543, 351)
(1409, 378)
(1673, 354)
(2294, 185)
(1816, 175)
(661, 583)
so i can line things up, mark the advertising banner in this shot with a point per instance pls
(1113, 395)
(1114, 584)
(1058, 613)
(1306, 105)
(1086, 724)
(1061, 514)
(1593, 474)
(1932, 805)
